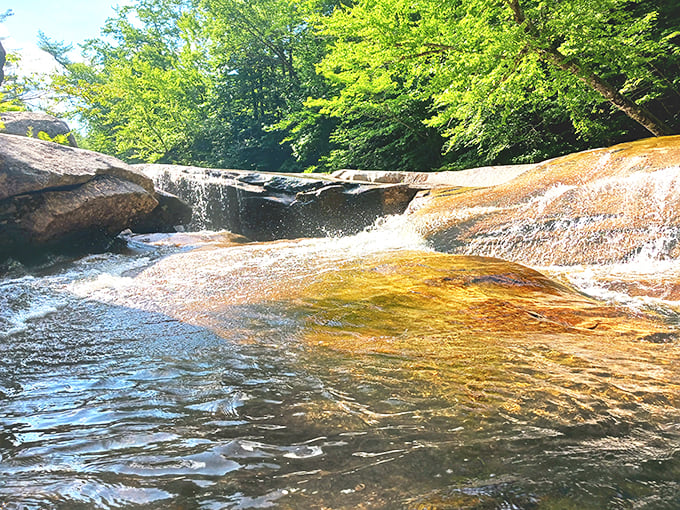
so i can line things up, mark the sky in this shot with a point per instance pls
(71, 21)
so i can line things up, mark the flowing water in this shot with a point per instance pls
(191, 372)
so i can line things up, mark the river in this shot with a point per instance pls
(189, 371)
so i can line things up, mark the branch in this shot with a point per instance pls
(554, 56)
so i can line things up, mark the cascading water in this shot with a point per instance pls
(562, 224)
(210, 205)
(364, 371)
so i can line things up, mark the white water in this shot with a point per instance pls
(639, 226)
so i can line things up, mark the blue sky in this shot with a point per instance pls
(71, 21)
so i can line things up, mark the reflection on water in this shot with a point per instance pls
(277, 375)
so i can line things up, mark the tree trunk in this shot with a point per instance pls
(636, 112)
(2, 63)
(553, 56)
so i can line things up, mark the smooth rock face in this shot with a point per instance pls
(607, 205)
(477, 177)
(393, 302)
(402, 301)
(29, 165)
(22, 123)
(98, 209)
(58, 197)
(265, 206)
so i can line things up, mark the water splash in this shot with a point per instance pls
(631, 219)
(206, 189)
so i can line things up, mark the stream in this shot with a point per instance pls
(191, 372)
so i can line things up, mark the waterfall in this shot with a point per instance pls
(615, 219)
(212, 207)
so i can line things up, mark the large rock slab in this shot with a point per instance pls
(88, 214)
(609, 205)
(392, 302)
(266, 206)
(56, 197)
(29, 165)
(25, 123)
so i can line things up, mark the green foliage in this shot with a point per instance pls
(495, 98)
(14, 90)
(144, 97)
(60, 139)
(58, 49)
(264, 56)
(383, 84)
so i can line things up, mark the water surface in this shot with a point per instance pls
(168, 378)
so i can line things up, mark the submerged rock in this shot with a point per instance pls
(599, 206)
(413, 300)
(265, 206)
(431, 305)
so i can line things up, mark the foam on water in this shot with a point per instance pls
(19, 320)
(628, 219)
(23, 300)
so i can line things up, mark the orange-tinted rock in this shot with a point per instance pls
(414, 300)
(599, 206)
(406, 301)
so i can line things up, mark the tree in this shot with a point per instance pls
(142, 96)
(3, 58)
(200, 81)
(506, 88)
(264, 56)
(550, 53)
(58, 49)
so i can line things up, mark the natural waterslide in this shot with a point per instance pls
(512, 346)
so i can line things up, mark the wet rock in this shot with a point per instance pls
(431, 305)
(25, 123)
(430, 302)
(660, 338)
(205, 239)
(477, 177)
(265, 206)
(599, 206)
(170, 213)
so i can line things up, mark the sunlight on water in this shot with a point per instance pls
(613, 219)
(195, 371)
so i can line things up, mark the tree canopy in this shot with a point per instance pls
(382, 84)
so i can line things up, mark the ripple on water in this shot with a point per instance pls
(111, 403)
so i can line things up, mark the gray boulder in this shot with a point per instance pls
(88, 215)
(29, 165)
(52, 196)
(22, 123)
